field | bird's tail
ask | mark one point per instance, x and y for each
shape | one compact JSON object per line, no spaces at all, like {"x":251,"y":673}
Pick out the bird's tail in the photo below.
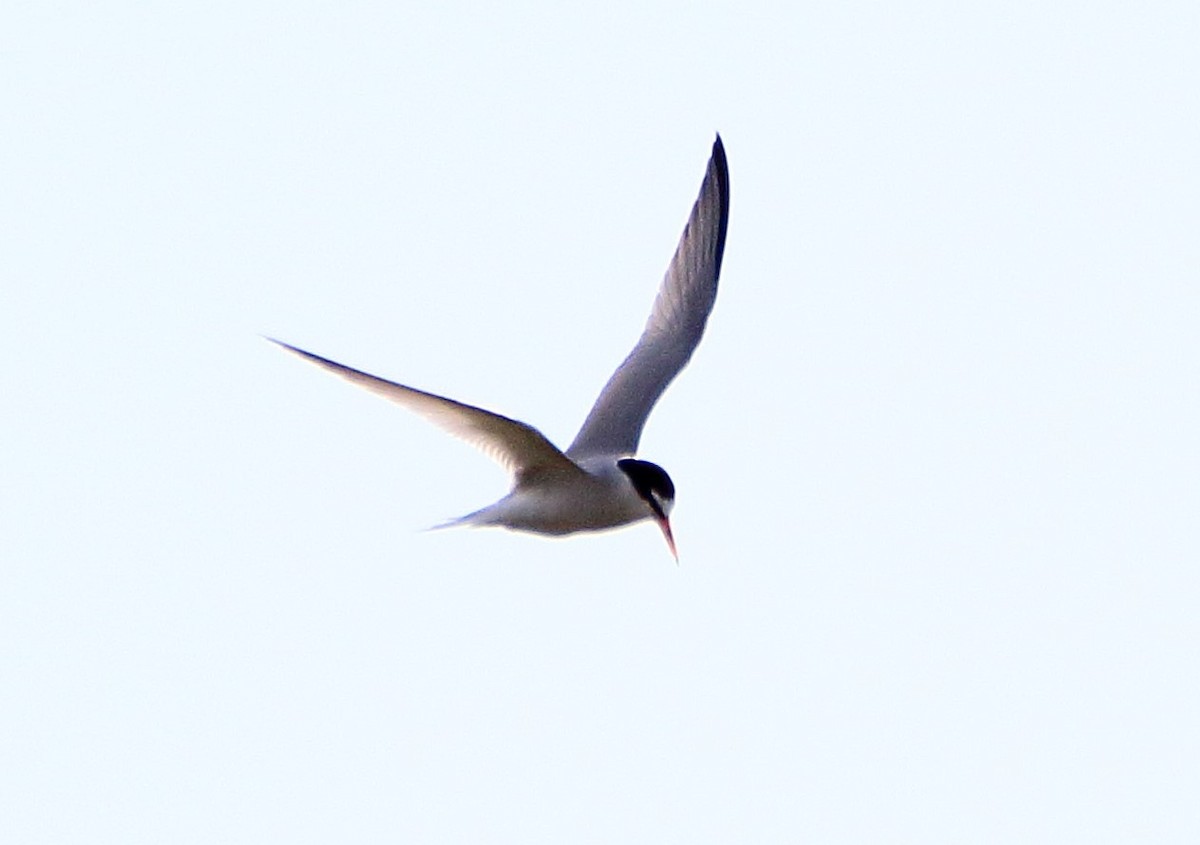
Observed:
{"x":475,"y":519}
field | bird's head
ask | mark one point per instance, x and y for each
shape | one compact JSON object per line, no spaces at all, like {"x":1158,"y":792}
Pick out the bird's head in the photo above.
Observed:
{"x":655,"y":487}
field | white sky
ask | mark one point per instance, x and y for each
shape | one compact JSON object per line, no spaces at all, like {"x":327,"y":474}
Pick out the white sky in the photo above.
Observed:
{"x":937,"y":457}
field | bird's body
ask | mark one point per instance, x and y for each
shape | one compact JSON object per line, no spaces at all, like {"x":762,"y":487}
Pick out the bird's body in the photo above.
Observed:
{"x":600,"y":497}
{"x":595,"y":484}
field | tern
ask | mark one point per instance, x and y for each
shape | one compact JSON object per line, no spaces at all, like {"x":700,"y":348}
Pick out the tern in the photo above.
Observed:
{"x":597,"y":483}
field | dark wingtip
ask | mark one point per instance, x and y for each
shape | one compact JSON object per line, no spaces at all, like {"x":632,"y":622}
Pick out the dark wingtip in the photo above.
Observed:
{"x":296,"y":350}
{"x":721,"y":165}
{"x":282,"y":344}
{"x":718,"y":155}
{"x":719,"y":169}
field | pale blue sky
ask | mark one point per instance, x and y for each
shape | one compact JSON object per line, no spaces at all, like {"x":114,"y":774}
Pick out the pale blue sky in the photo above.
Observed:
{"x":937,"y":456}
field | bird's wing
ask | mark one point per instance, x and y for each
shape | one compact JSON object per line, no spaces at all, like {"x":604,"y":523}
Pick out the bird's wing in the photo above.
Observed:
{"x":519,"y":448}
{"x":676,"y":324}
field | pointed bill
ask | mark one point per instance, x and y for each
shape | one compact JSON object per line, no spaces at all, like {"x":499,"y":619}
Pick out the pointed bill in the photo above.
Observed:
{"x":665,"y":524}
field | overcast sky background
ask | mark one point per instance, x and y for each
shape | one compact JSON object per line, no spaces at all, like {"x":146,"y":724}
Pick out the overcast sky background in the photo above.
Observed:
{"x":937,"y":456}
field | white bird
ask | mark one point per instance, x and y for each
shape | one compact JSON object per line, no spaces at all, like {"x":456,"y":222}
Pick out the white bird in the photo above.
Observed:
{"x":596,"y":484}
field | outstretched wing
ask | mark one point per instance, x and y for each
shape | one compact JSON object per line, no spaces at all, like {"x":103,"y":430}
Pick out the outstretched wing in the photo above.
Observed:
{"x":519,"y":448}
{"x":676,"y":324}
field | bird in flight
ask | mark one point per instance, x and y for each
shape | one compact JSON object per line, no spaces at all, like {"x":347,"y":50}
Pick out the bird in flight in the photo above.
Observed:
{"x":596,"y":484}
